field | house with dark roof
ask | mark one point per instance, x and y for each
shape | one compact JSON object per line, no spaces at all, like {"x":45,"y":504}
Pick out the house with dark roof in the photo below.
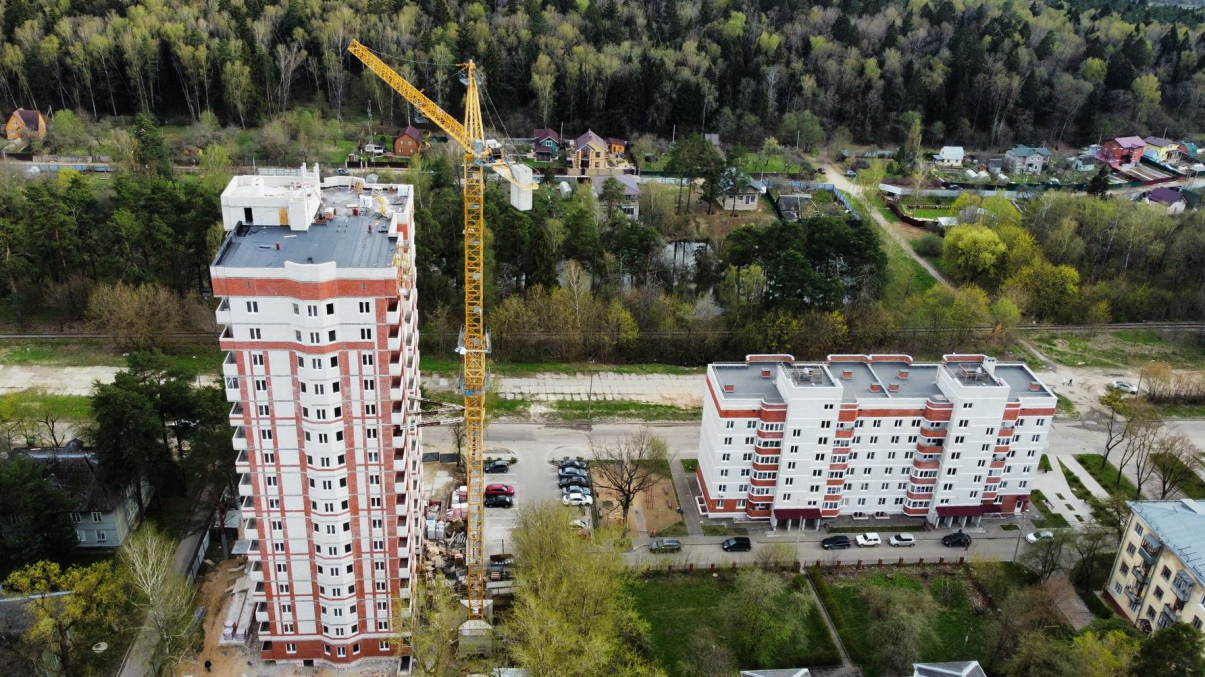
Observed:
{"x":1022,"y":159}
{"x":25,"y":124}
{"x":1123,"y":150}
{"x":1161,"y":149}
{"x":617,"y":146}
{"x":104,"y":514}
{"x":547,"y":144}
{"x":408,"y":142}
{"x":630,"y":205}
{"x":589,"y":154}
{"x":1171,"y":200}
{"x":1158,"y":574}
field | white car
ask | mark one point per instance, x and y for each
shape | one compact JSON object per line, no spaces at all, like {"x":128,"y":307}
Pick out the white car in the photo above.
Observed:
{"x":902,"y":541}
{"x":1124,"y":387}
{"x":577,"y":499}
{"x":1040,"y":535}
{"x":868,"y":540}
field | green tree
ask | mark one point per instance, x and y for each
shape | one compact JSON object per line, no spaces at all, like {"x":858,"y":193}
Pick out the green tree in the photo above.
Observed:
{"x":1146,"y":96}
{"x":766,"y":621}
{"x":1106,"y":654}
{"x":1174,"y":651}
{"x":41,"y":526}
{"x":1047,"y":290}
{"x":1098,"y":185}
{"x":66,"y":626}
{"x":612,"y":195}
{"x":1040,"y":654}
{"x":152,"y":154}
{"x":128,"y":437}
{"x":972,"y":253}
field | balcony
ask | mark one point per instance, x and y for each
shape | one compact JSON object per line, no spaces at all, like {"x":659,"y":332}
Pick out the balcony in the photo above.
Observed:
{"x":395,"y":364}
{"x":843,"y":434}
{"x":403,"y":547}
{"x":251,"y":529}
{"x":1173,"y":611}
{"x":1150,"y":550}
{"x":933,"y":433}
{"x":393,"y":313}
{"x":1134,"y":593}
{"x":242,"y":464}
{"x":261,"y":612}
{"x":239,"y":440}
{"x":925,"y":465}
{"x":233,"y":394}
{"x":1182,"y":585}
{"x":395,"y":389}
{"x":922,"y":480}
{"x":401,"y":508}
{"x":222,"y":314}
{"x":398,"y":414}
{"x":230,"y":365}
{"x":256,"y":571}
{"x":1140,"y":575}
{"x":395,"y":339}
{"x":245,"y":487}
{"x":923,"y":448}
{"x":236,"y":412}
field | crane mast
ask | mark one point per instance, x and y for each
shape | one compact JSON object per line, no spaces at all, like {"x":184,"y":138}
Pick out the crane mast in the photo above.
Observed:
{"x":474,"y":345}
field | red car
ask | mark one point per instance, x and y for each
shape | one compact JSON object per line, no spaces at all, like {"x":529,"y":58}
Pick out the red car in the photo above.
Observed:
{"x":499,"y":490}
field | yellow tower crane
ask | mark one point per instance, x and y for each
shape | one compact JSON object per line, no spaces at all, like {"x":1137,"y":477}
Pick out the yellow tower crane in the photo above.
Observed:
{"x":475,"y":343}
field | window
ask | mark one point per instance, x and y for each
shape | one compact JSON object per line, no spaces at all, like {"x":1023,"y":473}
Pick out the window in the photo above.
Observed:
{"x":370,"y":384}
{"x":967,"y":405}
{"x":727,"y":441}
{"x":315,"y":337}
{"x":263,"y":409}
{"x":748,"y":456}
{"x":826,"y":424}
{"x":283,"y":588}
{"x":1158,"y":592}
{"x":955,"y":455}
{"x":750,"y":424}
{"x":722,"y":488}
{"x":366,"y":360}
{"x":290,"y":648}
{"x":963,"y":423}
{"x":365,"y":306}
{"x":878,"y":423}
{"x":828,"y":406}
{"x":719,"y":505}
{"x":750,"y":440}
{"x":296,"y":309}
{"x":729,"y":424}
{"x":1196,"y":622}
{"x":330,"y":309}
{"x":1166,"y":573}
{"x":822,"y":441}
{"x":102,"y":536}
{"x":261,"y":384}
{"x":724,"y":472}
{"x":820,"y":457}
{"x":270,"y":480}
{"x":253,"y":306}
{"x":817,"y":473}
{"x":1138,"y":529}
{"x":265,"y":433}
{"x":1125,"y":568}
{"x":365,"y":334}
{"x":330,"y":335}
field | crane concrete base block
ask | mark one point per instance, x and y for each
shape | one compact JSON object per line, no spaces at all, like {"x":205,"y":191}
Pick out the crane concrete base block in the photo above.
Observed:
{"x":477,"y":636}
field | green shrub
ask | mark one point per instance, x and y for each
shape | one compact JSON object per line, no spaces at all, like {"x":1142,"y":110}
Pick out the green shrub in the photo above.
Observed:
{"x":928,"y":245}
{"x":1044,"y":464}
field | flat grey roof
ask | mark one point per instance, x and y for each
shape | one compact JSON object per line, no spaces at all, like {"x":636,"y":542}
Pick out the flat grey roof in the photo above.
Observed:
{"x":747,"y":381}
{"x":921,"y":381}
{"x":1018,"y":377}
{"x":347,"y":240}
{"x":858,"y":385}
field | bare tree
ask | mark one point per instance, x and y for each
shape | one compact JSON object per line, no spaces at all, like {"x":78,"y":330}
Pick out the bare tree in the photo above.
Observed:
{"x":1117,"y":428}
{"x":1088,"y":545}
{"x":1115,"y":515}
{"x":1049,"y":555}
{"x":1174,"y":461}
{"x":629,"y":466}
{"x":1144,"y":430}
{"x":165,"y":595}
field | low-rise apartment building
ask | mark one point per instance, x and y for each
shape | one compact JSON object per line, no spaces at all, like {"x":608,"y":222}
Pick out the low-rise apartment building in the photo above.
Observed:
{"x":870,"y":436}
{"x":1158,"y":576}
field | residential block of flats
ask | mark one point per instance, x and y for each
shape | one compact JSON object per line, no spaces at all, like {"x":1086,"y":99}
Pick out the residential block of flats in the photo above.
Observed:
{"x":1159,"y":570}
{"x":870,"y":436}
{"x":316,"y":282}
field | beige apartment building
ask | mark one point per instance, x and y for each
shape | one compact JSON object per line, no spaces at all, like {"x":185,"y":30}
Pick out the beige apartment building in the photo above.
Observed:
{"x":1158,"y":577}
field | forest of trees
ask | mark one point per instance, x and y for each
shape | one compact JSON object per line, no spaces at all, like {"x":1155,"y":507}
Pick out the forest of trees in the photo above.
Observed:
{"x":986,"y":72}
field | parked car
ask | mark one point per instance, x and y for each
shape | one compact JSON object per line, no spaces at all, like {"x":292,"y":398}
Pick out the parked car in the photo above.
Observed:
{"x":571,"y":463}
{"x":851,"y":173}
{"x":737,"y":544}
{"x":577,"y":498}
{"x":1039,"y":535}
{"x":1124,"y":387}
{"x":499,"y":502}
{"x":374,"y":149}
{"x":956,"y":540}
{"x":869,"y":540}
{"x":820,"y":170}
{"x":902,"y":541}
{"x":580,"y":524}
{"x":665,"y":545}
{"x":574,"y":482}
{"x":341,"y":171}
{"x":836,"y":543}
{"x":499,"y":490}
{"x":570,"y":470}
{"x":584,"y":490}
{"x":494,"y":467}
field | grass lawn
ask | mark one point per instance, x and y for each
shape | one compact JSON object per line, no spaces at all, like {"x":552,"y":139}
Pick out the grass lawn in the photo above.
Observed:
{"x":1050,"y":519}
{"x":1106,"y":474}
{"x":690,"y":465}
{"x":1192,"y":487}
{"x":931,"y":213}
{"x":202,"y":357}
{"x":499,"y":406}
{"x":1181,"y":410}
{"x":1122,"y":348}
{"x":439,"y":365}
{"x":721,"y":530}
{"x":575,"y":410}
{"x":958,"y":632}
{"x":1066,"y":407}
{"x":678,"y":605}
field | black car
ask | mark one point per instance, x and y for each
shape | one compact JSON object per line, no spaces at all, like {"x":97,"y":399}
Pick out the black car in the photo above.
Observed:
{"x":499,"y":502}
{"x":956,"y":540}
{"x":569,"y":470}
{"x":497,"y":467}
{"x":836,"y":543}
{"x":571,"y":463}
{"x":665,"y":545}
{"x":737,"y":544}
{"x":574,"y":481}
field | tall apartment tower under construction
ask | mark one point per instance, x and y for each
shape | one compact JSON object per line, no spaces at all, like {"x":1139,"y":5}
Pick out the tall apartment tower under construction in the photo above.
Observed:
{"x":316,"y":285}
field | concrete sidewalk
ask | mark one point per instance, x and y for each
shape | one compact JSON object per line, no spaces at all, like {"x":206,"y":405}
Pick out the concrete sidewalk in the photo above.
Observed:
{"x":1059,"y":496}
{"x":1089,"y":481}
